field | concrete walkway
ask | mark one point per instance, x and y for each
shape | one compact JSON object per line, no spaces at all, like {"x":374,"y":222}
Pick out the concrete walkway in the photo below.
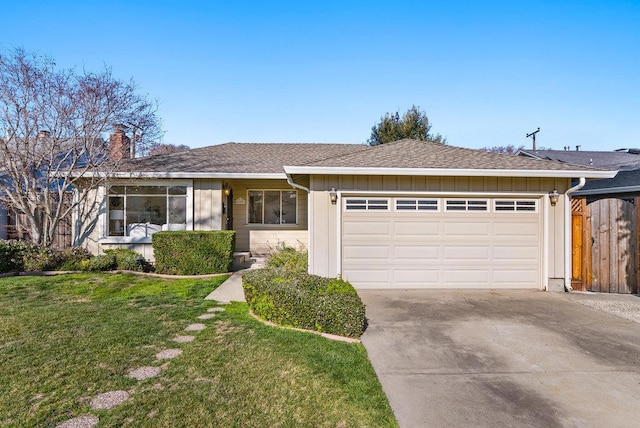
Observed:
{"x":231,"y":290}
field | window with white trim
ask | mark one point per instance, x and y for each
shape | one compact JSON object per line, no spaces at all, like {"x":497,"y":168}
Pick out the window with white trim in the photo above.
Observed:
{"x":514,"y":205}
{"x":272,"y":206}
{"x":140,"y":211}
{"x":466,"y":205}
{"x":365,"y":204}
{"x":403,"y":204}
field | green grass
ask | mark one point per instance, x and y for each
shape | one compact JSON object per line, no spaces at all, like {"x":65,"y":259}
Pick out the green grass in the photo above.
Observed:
{"x":67,"y":338}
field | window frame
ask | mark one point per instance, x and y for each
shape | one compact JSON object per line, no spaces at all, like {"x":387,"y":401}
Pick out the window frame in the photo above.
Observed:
{"x":515,"y":209}
{"x":368,"y":207}
{"x":487,"y":206}
{"x":416,"y":207}
{"x":280,"y":190}
{"x":104,"y":218}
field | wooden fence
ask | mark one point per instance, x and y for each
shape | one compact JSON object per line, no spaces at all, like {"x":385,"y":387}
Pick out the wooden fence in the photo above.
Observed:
{"x":605,"y":245}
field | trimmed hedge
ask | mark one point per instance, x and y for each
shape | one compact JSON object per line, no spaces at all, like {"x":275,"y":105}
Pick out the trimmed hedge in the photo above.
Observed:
{"x":305,"y":301}
{"x":194,"y":253}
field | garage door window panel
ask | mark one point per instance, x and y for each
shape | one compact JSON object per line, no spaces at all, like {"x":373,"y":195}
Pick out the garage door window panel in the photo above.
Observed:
{"x":511,"y":206}
{"x":362,"y":204}
{"x":408,"y":205}
{"x":462,"y":205}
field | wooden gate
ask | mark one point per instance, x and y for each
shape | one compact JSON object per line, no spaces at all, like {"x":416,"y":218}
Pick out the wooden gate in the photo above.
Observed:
{"x":580,"y":245}
{"x":614,"y":253}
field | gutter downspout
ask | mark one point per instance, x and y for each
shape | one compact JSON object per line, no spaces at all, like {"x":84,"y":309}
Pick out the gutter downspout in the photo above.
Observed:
{"x":296,"y":185}
{"x":567,"y":235}
{"x":309,"y":212}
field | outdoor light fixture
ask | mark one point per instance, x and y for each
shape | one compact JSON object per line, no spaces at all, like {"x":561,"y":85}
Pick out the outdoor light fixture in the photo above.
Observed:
{"x":553,"y":197}
{"x":333,"y":195}
{"x":226,"y":190}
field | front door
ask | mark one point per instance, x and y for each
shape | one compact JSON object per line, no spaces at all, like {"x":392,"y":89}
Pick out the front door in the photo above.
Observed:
{"x":229,"y":210}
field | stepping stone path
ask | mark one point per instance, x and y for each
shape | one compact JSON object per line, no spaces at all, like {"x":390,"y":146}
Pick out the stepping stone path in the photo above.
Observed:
{"x":183,"y":339}
{"x":109,"y":399}
{"x":142,"y":373}
{"x":84,"y":421}
{"x":195,"y":327}
{"x":168,"y":353}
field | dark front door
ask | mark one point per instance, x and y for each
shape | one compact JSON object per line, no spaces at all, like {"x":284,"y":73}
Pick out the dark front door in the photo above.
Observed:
{"x":229,"y":210}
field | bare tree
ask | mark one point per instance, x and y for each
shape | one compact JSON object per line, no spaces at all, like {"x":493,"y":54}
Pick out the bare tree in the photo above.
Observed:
{"x":166,"y":149}
{"x":509,"y":149}
{"x":53,"y":124}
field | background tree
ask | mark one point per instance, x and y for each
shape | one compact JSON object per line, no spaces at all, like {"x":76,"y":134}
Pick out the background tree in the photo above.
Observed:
{"x":509,"y":149}
{"x":53,"y":124}
{"x":413,"y":124}
{"x":166,"y":149}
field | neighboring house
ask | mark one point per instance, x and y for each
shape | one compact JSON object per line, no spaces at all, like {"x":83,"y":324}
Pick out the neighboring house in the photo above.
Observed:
{"x":408,"y":214}
{"x":605,"y":223}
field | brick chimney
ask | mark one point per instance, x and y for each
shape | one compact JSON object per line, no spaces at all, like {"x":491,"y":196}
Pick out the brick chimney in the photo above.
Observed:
{"x":119,"y":145}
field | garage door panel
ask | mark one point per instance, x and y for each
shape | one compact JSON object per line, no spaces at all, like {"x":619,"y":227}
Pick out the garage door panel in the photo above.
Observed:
{"x":416,"y":278}
{"x":368,"y":278}
{"x":466,"y":229}
{"x":523,"y":228}
{"x":442,"y":249}
{"x":378,"y":229}
{"x":518,"y":254}
{"x":366,"y":252}
{"x":467,"y":253}
{"x":466,"y":276}
{"x":416,"y":253}
{"x":515,"y":278}
{"x":416,"y":229}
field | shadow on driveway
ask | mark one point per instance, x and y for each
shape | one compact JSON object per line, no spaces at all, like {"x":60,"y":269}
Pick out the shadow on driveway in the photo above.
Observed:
{"x":502,"y":358}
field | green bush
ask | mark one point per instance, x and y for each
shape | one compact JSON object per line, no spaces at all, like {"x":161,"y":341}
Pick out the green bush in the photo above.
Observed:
{"x":41,"y":259}
{"x":24,"y":256}
{"x":73,"y":257}
{"x":128,"y":259}
{"x":305,"y":301}
{"x":12,"y":256}
{"x":100,"y":263}
{"x":194,"y":253}
{"x":289,"y":259}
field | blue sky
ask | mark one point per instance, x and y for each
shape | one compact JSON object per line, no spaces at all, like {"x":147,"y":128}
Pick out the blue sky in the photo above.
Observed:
{"x":486,"y":72}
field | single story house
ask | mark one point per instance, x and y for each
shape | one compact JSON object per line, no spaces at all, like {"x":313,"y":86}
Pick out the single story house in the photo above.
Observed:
{"x":407,"y":214}
{"x":605,"y":220}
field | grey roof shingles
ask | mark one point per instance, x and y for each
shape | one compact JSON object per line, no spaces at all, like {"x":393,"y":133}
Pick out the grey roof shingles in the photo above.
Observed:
{"x":244,"y":158}
{"x":421,"y":154}
{"x":600,"y":159}
{"x":260,"y":158}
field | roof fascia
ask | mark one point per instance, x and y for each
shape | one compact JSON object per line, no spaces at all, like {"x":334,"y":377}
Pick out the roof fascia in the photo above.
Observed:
{"x":133,"y":175}
{"x":608,"y":190}
{"x":447,"y":172}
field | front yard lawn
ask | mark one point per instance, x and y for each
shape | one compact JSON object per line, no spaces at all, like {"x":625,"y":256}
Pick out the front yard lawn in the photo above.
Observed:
{"x":67,"y":338}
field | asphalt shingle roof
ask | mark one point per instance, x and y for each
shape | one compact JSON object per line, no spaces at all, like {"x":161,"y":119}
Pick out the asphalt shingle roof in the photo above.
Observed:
{"x":258,"y":158}
{"x":246,"y":158}
{"x":421,"y":154}
{"x":607,"y":160}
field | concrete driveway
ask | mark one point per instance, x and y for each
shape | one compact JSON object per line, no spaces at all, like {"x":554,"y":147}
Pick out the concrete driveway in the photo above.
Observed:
{"x":502,"y":358}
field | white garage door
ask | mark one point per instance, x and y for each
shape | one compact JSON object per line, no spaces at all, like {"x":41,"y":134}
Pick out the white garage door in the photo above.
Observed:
{"x":441,"y":242}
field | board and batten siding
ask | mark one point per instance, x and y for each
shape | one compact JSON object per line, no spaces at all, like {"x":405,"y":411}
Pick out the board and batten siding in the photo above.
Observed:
{"x":258,"y":238}
{"x":324,"y":228}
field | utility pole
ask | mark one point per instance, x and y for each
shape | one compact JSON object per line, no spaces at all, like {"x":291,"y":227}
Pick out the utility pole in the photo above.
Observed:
{"x":533,"y":135}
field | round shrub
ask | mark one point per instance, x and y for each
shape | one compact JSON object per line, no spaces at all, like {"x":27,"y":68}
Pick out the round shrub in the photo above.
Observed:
{"x":306,"y":301}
